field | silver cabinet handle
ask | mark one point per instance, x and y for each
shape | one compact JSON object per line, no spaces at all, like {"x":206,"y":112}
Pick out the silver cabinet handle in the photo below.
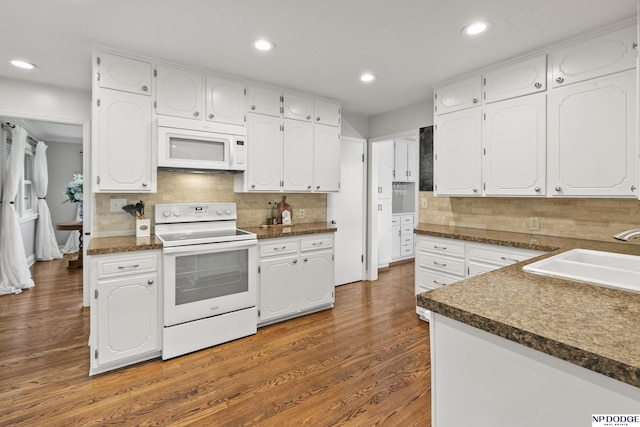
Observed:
{"x":558,"y":188}
{"x":316,"y":244}
{"x":439,"y":283}
{"x":633,"y":188}
{"x":144,"y":184}
{"x":475,"y":100}
{"x":538,"y":85}
{"x":122,"y":267}
{"x":253,"y":107}
{"x":442,"y":248}
{"x":439,"y":264}
{"x":560,"y":79}
{"x":475,"y":190}
{"x":308,"y":117}
{"x":504,"y":258}
{"x":295,"y":261}
{"x":318,"y":119}
{"x":308,"y":187}
{"x":306,"y":259}
{"x":333,"y":221}
{"x":211,"y":116}
{"x":150,"y":282}
{"x":253,"y":186}
{"x":144,"y":88}
{"x":537,"y":189}
{"x":318,"y":187}
{"x":196,"y":114}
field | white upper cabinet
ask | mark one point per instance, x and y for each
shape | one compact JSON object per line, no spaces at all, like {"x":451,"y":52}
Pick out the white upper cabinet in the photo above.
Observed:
{"x":326,"y":169}
{"x":457,"y":96}
{"x":458,"y":144}
{"x":592,"y":138}
{"x":327,"y":113}
{"x":606,"y":54}
{"x":225,"y":101}
{"x":519,"y":79}
{"x":264,"y":101}
{"x":298,"y":156}
{"x":126,"y":74}
{"x":515,"y":147}
{"x":124,"y":154}
{"x":179,"y":92}
{"x":264,"y":170}
{"x":385,"y":169}
{"x":297,"y":107}
{"x":405,"y":159}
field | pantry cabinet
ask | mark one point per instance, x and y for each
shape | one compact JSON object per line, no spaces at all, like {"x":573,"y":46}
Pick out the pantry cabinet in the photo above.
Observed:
{"x":124,"y":154}
{"x":514,"y":153}
{"x":296,"y":277}
{"x":179,"y":92}
{"x":592,"y":138}
{"x":522,"y":78}
{"x":457,"y":153}
{"x":458,"y":96}
{"x":125,"y":309}
{"x":125,"y":74}
{"x":605,"y":54}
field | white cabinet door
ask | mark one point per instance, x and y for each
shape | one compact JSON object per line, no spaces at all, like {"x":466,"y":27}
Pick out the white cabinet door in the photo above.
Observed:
{"x":458,"y":96}
{"x":606,"y":54}
{"x":180,"y":93}
{"x":298,"y":156}
{"x":278,"y":287}
{"x":592,"y":138}
{"x":264,"y":167}
{"x":120,"y":73}
{"x":327,"y":113}
{"x":264,"y":101}
{"x":297,"y":107}
{"x":385,"y":169}
{"x":523,"y":78}
{"x":396,"y":241}
{"x":125,"y":159}
{"x":400,"y":161}
{"x":514,"y":161}
{"x":458,"y":144}
{"x":384,"y":232}
{"x":326,"y":158}
{"x":412,"y":161}
{"x":316,"y":279}
{"x":128,"y":322}
{"x":225,"y":101}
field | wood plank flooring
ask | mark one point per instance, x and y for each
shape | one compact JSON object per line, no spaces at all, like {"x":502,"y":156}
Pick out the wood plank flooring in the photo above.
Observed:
{"x":363,"y":363}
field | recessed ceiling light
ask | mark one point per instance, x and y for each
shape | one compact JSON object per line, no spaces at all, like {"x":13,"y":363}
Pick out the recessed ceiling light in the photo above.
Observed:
{"x":263,"y":44}
{"x":23,"y":64}
{"x":368,"y":77}
{"x":476,"y":28}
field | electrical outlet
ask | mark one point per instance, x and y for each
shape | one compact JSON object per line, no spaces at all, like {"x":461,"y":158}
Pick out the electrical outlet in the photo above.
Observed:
{"x":534,"y":223}
{"x":301,"y":213}
{"x":117,"y":205}
{"x":423,"y":203}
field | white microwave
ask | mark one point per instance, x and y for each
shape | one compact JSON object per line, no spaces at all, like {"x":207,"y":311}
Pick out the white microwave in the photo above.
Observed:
{"x":201,"y":149}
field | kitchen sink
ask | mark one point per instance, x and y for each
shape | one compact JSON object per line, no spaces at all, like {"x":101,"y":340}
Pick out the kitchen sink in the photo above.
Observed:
{"x":603,"y":268}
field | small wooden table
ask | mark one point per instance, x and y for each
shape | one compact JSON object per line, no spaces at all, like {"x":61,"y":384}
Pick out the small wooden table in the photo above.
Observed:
{"x":73,"y":226}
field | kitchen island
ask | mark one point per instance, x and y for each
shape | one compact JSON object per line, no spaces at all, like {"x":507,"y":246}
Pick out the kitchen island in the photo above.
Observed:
{"x":516,"y":348}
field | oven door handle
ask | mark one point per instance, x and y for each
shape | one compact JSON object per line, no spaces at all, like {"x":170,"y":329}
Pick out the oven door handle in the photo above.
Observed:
{"x":210,"y":247}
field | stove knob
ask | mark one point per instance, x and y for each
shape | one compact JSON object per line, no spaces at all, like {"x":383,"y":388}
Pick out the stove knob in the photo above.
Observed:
{"x":219,"y":212}
{"x":177,"y":213}
{"x":228,"y":211}
{"x":166,"y":213}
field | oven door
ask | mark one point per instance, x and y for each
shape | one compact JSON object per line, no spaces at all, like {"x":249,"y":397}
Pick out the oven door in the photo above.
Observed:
{"x":207,"y":280}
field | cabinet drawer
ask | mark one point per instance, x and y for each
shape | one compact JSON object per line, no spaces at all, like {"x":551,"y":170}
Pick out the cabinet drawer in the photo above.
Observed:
{"x":500,"y":255}
{"x":441,"y":246}
{"x":315,"y":243}
{"x":395,"y":220}
{"x":429,"y":280}
{"x":406,"y":250}
{"x":407,"y":220}
{"x":406,"y":229}
{"x":407,"y":240}
{"x":121,"y":265}
{"x":278,"y":247}
{"x":442,"y":263}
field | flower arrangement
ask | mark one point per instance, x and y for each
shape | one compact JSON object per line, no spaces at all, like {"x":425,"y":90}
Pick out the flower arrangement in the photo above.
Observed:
{"x":73,"y":191}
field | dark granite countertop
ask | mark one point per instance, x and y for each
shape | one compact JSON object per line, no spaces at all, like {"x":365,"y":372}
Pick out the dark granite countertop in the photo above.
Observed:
{"x":112,"y":245}
{"x":294,"y":230}
{"x":588,"y":325}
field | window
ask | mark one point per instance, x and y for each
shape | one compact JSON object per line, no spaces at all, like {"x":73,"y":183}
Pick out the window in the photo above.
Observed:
{"x":25,"y":201}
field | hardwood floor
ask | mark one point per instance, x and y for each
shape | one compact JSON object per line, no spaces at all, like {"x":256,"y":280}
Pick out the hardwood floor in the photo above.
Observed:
{"x":363,"y":363}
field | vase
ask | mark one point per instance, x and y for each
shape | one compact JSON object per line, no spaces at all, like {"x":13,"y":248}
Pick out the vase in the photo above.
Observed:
{"x":80,"y":211}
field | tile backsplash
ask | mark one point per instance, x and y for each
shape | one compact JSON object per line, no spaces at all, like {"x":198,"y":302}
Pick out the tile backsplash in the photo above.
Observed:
{"x":178,"y":187}
{"x":593,"y":219}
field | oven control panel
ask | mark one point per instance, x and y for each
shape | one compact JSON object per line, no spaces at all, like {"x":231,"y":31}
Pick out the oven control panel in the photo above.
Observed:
{"x":191,"y":212}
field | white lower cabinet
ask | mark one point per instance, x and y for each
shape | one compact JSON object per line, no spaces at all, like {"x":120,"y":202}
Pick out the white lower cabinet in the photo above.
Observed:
{"x":401,"y":237}
{"x":441,"y":261}
{"x":296,"y":277}
{"x":125,"y":309}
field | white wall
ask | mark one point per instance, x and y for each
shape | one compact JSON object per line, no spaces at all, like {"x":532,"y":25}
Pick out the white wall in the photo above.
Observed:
{"x":411,"y":117}
{"x":63,"y":160}
{"x":355,"y":125}
{"x":39,"y":101}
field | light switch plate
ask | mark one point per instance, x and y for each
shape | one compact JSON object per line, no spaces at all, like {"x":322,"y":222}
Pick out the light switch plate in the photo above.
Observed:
{"x":534,"y":224}
{"x":301,"y":213}
{"x":116,"y":205}
{"x":424,"y":203}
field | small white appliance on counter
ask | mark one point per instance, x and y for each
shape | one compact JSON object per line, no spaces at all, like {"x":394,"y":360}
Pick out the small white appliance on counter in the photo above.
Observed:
{"x":201,"y":146}
{"x":210,"y":276}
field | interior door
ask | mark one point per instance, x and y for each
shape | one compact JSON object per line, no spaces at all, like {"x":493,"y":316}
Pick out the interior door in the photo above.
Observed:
{"x":346,"y":209}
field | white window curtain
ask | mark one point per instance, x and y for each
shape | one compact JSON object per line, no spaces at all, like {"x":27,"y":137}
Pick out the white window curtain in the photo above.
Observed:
{"x":14,"y":270}
{"x":46,"y":243}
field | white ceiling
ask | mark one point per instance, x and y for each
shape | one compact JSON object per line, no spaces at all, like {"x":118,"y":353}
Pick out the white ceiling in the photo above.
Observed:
{"x":322,"y":45}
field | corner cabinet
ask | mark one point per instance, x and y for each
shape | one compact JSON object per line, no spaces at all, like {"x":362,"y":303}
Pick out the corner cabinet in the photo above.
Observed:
{"x":125,"y":309}
{"x":124,"y":158}
{"x":296,"y":277}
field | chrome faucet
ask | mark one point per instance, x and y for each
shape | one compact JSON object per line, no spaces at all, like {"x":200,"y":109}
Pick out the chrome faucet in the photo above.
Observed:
{"x":625,"y":236}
